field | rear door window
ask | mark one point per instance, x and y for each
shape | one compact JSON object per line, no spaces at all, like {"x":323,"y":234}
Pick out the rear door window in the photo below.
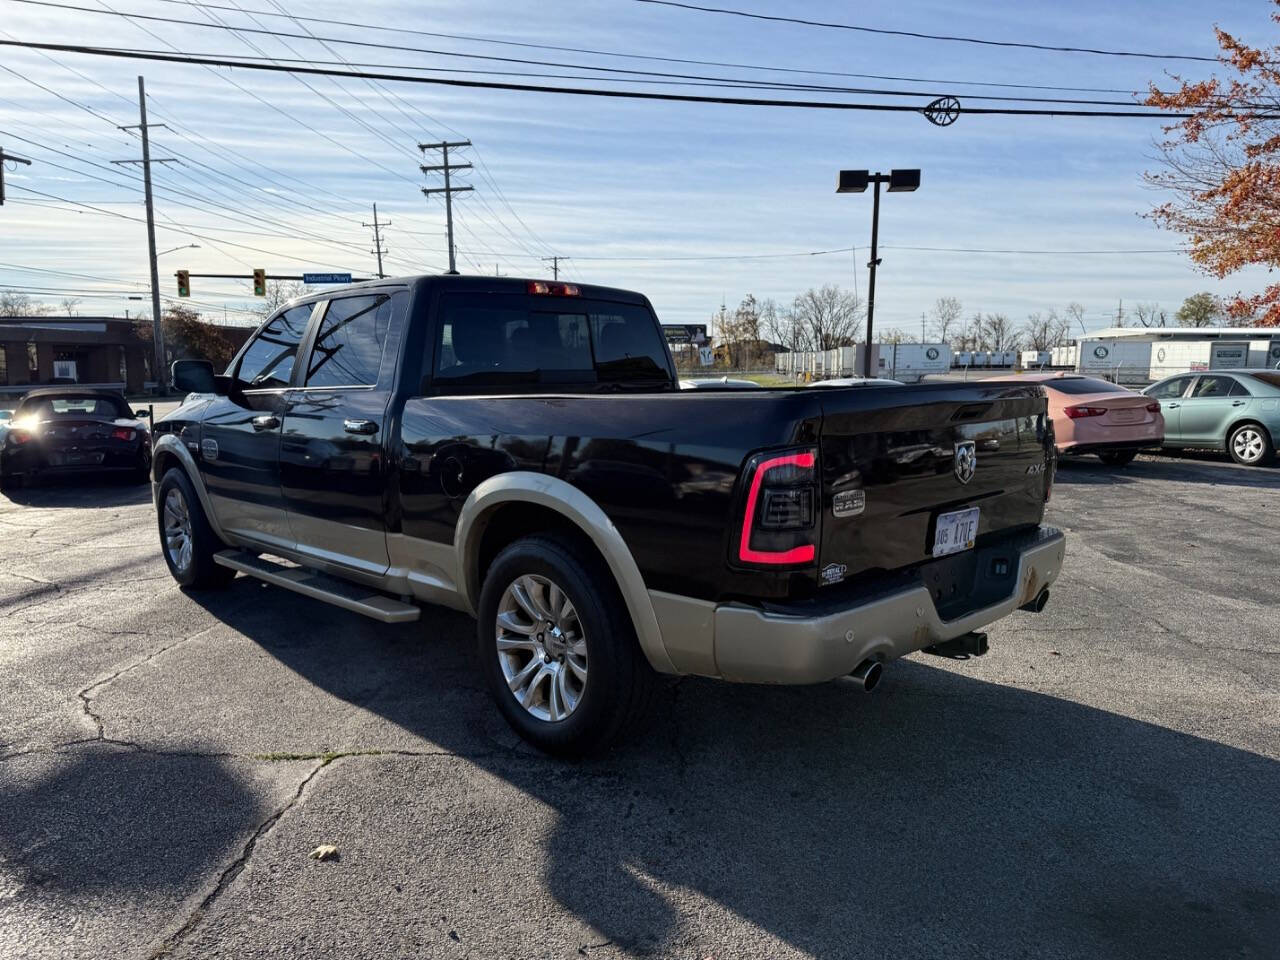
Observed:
{"x":1212,"y":388}
{"x":268,"y":361}
{"x":349,"y":342}
{"x":1170,"y":389}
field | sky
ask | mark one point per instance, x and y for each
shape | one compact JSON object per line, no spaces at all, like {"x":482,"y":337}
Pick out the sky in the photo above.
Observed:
{"x":692,"y":204}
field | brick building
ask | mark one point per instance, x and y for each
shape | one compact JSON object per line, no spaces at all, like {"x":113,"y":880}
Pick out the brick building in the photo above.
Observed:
{"x":93,"y":351}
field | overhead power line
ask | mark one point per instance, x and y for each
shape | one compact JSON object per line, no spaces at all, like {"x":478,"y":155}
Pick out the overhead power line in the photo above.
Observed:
{"x":916,"y":35}
{"x":633,"y":76}
{"x":157,"y":55}
{"x":653,"y":58}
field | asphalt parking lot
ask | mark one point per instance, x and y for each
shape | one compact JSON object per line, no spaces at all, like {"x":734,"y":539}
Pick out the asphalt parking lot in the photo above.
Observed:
{"x":1104,"y":783}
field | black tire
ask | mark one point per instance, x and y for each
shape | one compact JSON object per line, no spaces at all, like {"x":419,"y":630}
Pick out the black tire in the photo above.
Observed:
{"x":10,"y":481}
{"x":619,"y":684}
{"x":1117,"y":458}
{"x":1244,"y":453}
{"x":200,"y":570}
{"x":142,"y":472}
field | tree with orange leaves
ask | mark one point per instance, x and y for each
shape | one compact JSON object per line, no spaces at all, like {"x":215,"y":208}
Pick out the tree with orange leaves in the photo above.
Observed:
{"x":1222,"y":165}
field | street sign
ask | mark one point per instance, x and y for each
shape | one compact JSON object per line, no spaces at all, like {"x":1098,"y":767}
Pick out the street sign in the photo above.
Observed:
{"x":326,"y":278}
{"x":704,"y":356}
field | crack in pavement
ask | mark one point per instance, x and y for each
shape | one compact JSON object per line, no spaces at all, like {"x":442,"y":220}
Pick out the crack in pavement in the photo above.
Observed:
{"x":233,"y":870}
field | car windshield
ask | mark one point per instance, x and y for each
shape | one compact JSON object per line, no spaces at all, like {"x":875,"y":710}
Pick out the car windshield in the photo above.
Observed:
{"x":54,"y":408}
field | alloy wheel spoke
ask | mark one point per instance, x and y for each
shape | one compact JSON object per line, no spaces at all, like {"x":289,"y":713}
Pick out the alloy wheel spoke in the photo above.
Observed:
{"x":508,"y":620}
{"x":518,"y":681}
{"x":555,"y":694}
{"x":531,"y":691}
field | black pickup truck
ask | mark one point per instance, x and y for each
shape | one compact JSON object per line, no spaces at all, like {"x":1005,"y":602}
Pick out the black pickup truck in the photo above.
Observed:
{"x":520,"y":450}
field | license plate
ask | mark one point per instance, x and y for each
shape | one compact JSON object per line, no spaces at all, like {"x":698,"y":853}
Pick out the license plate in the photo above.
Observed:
{"x":955,"y":531}
{"x":1126,"y":416}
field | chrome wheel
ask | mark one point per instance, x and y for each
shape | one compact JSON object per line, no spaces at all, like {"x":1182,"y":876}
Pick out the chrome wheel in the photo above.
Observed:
{"x":1248,"y":445}
{"x":177,"y":530}
{"x":541,"y":648}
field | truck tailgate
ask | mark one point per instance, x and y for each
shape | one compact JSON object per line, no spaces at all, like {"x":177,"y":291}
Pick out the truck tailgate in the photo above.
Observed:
{"x":889,"y":469}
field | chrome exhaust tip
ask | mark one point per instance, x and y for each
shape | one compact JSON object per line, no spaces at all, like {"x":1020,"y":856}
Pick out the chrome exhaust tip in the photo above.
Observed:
{"x":867,"y":673}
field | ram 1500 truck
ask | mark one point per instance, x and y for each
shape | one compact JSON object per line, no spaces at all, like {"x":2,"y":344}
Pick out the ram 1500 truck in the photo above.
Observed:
{"x":519,"y":450}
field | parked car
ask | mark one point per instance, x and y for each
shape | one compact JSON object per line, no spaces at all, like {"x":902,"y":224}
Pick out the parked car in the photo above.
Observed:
{"x":1094,"y":416}
{"x":519,"y":450}
{"x":1233,"y":410}
{"x":74,"y":430}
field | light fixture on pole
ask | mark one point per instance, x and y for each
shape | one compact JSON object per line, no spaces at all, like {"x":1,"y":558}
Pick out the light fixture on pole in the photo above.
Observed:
{"x":856,"y":181}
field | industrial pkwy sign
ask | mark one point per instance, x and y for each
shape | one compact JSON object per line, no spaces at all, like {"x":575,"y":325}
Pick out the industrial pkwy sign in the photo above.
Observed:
{"x":326,"y":278}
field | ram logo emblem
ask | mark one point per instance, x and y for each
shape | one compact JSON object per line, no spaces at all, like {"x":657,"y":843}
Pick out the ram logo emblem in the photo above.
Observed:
{"x":966,"y":460}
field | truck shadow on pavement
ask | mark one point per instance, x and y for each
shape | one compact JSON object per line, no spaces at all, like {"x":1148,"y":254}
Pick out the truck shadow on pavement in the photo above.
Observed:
{"x":106,"y":821}
{"x":942,"y":815}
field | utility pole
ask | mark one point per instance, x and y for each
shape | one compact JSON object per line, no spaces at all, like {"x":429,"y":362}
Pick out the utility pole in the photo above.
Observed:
{"x":3,"y":157}
{"x":922,"y":327}
{"x":377,"y":238}
{"x":448,"y":189}
{"x":555,"y":266}
{"x":161,"y":374}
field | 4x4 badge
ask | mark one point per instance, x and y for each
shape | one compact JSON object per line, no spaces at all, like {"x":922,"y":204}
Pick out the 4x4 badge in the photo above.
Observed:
{"x":966,"y":464}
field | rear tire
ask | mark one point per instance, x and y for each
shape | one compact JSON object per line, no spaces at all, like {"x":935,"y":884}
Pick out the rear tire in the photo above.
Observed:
{"x":1117,"y":458}
{"x":186,"y":538}
{"x":564,"y":665}
{"x":1250,"y":444}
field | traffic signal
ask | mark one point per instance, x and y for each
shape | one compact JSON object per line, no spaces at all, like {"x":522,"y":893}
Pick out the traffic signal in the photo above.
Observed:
{"x":184,"y":283}
{"x":259,"y":283}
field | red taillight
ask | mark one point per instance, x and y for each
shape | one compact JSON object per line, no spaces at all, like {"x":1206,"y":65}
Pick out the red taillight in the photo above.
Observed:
{"x":122,"y":433}
{"x":19,"y":436}
{"x":1153,"y":406}
{"x":552,"y":289}
{"x":779,"y":515}
{"x":1077,"y":413}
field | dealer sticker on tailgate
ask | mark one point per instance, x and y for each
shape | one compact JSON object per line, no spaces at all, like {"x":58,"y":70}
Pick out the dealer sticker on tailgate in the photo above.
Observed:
{"x":955,"y":531}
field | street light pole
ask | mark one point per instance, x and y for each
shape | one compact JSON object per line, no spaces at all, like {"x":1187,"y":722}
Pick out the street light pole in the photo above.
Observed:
{"x":856,"y":181}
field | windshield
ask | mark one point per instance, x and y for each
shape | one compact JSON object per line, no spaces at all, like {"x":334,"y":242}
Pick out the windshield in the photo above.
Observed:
{"x":52,"y":408}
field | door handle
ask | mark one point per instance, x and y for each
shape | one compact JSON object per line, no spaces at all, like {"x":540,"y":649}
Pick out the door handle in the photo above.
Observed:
{"x":1237,"y":403}
{"x":360,"y":426}
{"x":267,"y":421}
{"x":1172,"y":406}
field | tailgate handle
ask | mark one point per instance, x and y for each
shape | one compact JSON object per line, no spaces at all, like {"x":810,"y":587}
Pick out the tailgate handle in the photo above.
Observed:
{"x":971,"y":411}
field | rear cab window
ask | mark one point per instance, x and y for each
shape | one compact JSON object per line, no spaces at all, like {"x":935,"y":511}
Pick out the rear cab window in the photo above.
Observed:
{"x":514,"y":340}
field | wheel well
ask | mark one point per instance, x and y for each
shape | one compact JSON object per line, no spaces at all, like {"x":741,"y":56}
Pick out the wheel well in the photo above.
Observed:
{"x":509,"y":522}
{"x":161,"y":463}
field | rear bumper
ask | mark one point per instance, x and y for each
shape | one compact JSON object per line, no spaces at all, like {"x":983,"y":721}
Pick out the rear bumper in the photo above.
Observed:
{"x":812,"y":645}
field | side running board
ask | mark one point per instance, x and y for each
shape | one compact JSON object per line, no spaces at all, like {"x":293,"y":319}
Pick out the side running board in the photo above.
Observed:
{"x":320,"y":586}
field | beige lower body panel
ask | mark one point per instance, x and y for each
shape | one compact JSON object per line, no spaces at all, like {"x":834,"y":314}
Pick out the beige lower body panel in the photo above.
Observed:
{"x":749,"y":645}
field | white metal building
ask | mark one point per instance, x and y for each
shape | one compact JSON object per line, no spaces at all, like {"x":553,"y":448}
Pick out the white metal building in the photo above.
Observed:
{"x":1143,"y":354}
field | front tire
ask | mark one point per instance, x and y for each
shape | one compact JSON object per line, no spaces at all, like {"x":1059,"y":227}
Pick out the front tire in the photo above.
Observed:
{"x":186,"y":538}
{"x":558,"y":649}
{"x":1117,"y":458}
{"x":1250,"y":445}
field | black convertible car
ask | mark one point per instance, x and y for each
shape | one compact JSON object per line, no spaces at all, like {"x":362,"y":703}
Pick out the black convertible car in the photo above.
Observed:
{"x":70,"y":430}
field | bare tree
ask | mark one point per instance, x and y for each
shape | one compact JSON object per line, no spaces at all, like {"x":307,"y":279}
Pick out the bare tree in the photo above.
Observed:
{"x":896,"y":335}
{"x":1038,"y":332}
{"x":1075,"y":316}
{"x":829,"y":316}
{"x":1059,"y":328}
{"x":69,"y":304}
{"x":998,"y":332}
{"x":20,"y":305}
{"x":946,"y":318}
{"x":971,"y":338}
{"x":1148,"y":314}
{"x":280,"y":292}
